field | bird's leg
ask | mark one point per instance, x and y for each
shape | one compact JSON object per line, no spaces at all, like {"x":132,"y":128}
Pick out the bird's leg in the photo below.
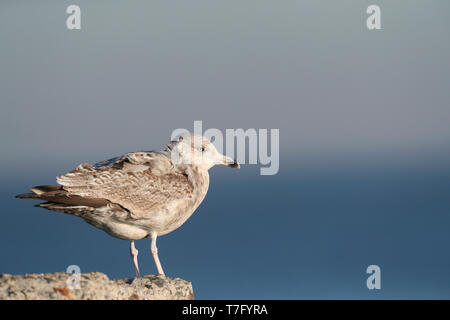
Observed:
{"x":154,"y":251}
{"x":134,"y":255}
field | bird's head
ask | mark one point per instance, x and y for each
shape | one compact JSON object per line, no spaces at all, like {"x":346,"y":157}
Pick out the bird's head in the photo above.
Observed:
{"x":193,"y":149}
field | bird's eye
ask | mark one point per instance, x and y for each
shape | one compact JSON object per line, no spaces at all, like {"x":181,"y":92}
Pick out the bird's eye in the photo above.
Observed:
{"x":202,"y":149}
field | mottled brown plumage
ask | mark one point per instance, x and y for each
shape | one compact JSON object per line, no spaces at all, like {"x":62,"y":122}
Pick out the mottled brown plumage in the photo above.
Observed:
{"x":140,"y":194}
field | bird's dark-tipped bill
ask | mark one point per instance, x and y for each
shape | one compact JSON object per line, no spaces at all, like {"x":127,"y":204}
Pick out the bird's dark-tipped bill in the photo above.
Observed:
{"x":234,"y":164}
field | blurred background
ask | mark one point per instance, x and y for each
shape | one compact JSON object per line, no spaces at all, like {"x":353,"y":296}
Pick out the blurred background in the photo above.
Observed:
{"x":364,"y":119}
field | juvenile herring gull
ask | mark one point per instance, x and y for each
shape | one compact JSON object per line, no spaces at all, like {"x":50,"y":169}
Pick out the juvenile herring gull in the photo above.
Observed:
{"x":140,"y":194}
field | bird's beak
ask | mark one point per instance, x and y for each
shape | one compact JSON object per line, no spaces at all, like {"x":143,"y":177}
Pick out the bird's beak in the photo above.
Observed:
{"x":227,"y":161}
{"x":171,"y":144}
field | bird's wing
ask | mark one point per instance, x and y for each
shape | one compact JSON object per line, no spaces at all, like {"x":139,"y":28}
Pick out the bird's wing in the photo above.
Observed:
{"x":141,"y":182}
{"x":157,"y":162}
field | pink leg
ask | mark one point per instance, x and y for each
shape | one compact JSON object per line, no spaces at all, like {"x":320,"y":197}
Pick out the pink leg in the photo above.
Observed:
{"x":134,"y":255}
{"x":154,"y":251}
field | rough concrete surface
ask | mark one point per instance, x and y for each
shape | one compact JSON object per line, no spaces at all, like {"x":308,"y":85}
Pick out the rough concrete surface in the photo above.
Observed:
{"x":92,"y":286}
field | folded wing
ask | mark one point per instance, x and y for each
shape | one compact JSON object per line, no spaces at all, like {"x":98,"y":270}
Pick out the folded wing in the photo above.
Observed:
{"x":140,"y":182}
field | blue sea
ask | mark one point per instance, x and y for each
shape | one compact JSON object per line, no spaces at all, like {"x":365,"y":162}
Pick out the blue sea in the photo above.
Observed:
{"x":300,"y":234}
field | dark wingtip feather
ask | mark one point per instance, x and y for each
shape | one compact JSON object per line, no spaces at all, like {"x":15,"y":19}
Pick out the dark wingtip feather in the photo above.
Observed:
{"x":45,"y":189}
{"x":26,"y":196}
{"x":38,"y":191}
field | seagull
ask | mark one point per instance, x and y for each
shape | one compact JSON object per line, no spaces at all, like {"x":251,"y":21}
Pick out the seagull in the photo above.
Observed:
{"x":138,"y":195}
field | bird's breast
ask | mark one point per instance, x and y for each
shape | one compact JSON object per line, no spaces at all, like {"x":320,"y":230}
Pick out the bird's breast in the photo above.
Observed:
{"x":179,"y":211}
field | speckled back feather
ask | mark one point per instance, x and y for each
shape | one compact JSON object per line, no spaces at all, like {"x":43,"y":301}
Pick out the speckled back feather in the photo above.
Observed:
{"x":140,"y":182}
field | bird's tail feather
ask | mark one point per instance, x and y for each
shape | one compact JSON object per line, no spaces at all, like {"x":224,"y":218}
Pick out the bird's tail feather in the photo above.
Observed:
{"x":57,"y":195}
{"x":38,"y":191}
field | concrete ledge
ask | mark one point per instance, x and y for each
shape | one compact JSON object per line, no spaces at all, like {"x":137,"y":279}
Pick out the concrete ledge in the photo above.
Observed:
{"x":93,"y":286}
